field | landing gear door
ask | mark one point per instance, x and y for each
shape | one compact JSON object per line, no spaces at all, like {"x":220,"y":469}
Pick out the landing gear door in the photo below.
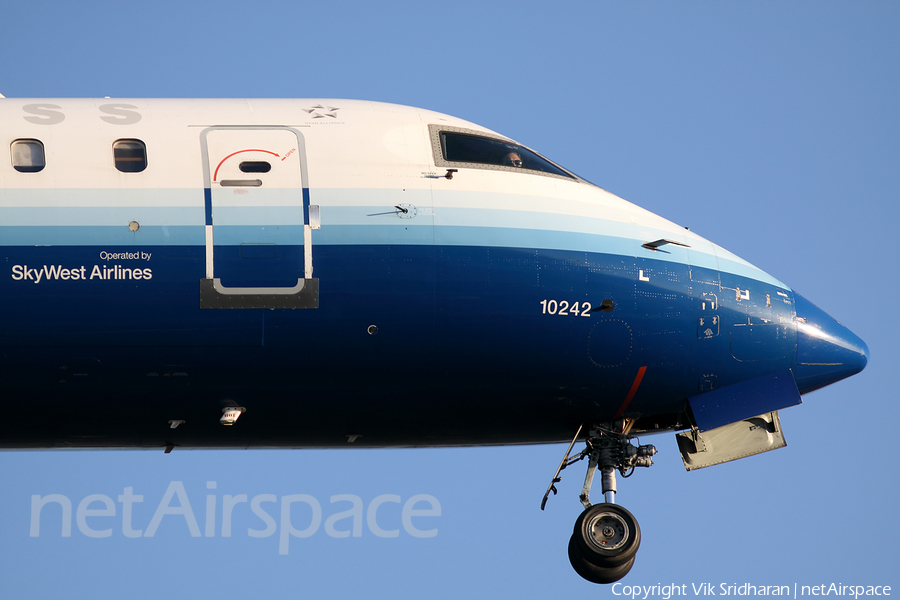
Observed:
{"x":258,"y":240}
{"x":753,"y":435}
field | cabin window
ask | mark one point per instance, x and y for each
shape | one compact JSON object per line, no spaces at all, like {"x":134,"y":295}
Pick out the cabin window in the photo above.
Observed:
{"x":459,"y":147}
{"x":255,"y":166}
{"x":130,"y":155}
{"x":27,"y":156}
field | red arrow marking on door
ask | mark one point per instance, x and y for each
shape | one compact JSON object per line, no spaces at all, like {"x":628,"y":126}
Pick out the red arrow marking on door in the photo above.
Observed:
{"x":216,"y":174}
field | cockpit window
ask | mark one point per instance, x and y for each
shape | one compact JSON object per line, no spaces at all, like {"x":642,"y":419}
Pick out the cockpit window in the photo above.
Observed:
{"x":459,"y":147}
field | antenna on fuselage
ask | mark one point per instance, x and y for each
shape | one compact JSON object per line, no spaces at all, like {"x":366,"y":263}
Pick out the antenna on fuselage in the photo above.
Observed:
{"x":656,"y":244}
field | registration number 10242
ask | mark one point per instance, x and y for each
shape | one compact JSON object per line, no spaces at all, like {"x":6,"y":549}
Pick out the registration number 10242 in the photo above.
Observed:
{"x":563,"y":307}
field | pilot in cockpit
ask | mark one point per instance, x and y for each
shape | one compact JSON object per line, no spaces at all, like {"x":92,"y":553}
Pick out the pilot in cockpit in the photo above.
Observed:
{"x":512,"y":159}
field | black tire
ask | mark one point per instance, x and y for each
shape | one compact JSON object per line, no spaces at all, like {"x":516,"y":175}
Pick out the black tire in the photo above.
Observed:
{"x":607,"y":535}
{"x":595,"y":573}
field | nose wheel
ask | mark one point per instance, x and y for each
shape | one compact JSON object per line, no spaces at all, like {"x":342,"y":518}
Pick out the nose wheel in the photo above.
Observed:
{"x":593,"y":572}
{"x":606,"y":536}
{"x":604,"y":543}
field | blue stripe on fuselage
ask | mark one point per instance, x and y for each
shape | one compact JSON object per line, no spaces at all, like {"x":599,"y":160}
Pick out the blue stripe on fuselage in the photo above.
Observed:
{"x":89,"y":217}
{"x":399,"y":233}
{"x":207,"y":205}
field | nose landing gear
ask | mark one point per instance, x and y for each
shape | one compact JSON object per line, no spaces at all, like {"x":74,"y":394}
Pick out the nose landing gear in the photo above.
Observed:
{"x":606,"y":537}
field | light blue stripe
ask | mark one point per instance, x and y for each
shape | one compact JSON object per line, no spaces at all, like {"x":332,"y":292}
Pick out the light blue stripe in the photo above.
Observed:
{"x":356,"y":225}
{"x":358,"y":235}
{"x":398,"y":234}
{"x":64,"y":216}
{"x":538,"y":239}
{"x":164,"y":235}
{"x":257,"y":215}
{"x":235,"y":235}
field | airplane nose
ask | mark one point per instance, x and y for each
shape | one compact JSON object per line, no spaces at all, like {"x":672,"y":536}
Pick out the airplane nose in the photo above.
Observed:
{"x":826,"y":350}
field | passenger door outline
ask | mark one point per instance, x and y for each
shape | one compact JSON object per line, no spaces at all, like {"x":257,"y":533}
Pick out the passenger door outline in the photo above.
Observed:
{"x":213,"y":293}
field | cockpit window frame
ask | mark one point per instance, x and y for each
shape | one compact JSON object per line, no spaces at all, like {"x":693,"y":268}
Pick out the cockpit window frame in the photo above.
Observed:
{"x":435,"y":131}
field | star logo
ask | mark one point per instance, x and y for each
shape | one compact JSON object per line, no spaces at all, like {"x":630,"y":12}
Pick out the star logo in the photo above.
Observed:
{"x":320,"y":112}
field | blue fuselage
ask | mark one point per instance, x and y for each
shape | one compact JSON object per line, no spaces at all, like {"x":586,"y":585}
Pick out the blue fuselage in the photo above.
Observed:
{"x":410,"y":345}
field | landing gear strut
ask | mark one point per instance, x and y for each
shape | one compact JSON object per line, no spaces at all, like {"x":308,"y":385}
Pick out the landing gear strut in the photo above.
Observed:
{"x":606,"y":537}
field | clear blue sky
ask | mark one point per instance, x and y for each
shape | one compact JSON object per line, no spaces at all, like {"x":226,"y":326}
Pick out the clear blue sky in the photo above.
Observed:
{"x":771,"y":128}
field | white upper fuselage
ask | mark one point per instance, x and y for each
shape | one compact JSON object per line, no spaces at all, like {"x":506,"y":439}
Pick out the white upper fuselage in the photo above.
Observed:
{"x":362,"y":158}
